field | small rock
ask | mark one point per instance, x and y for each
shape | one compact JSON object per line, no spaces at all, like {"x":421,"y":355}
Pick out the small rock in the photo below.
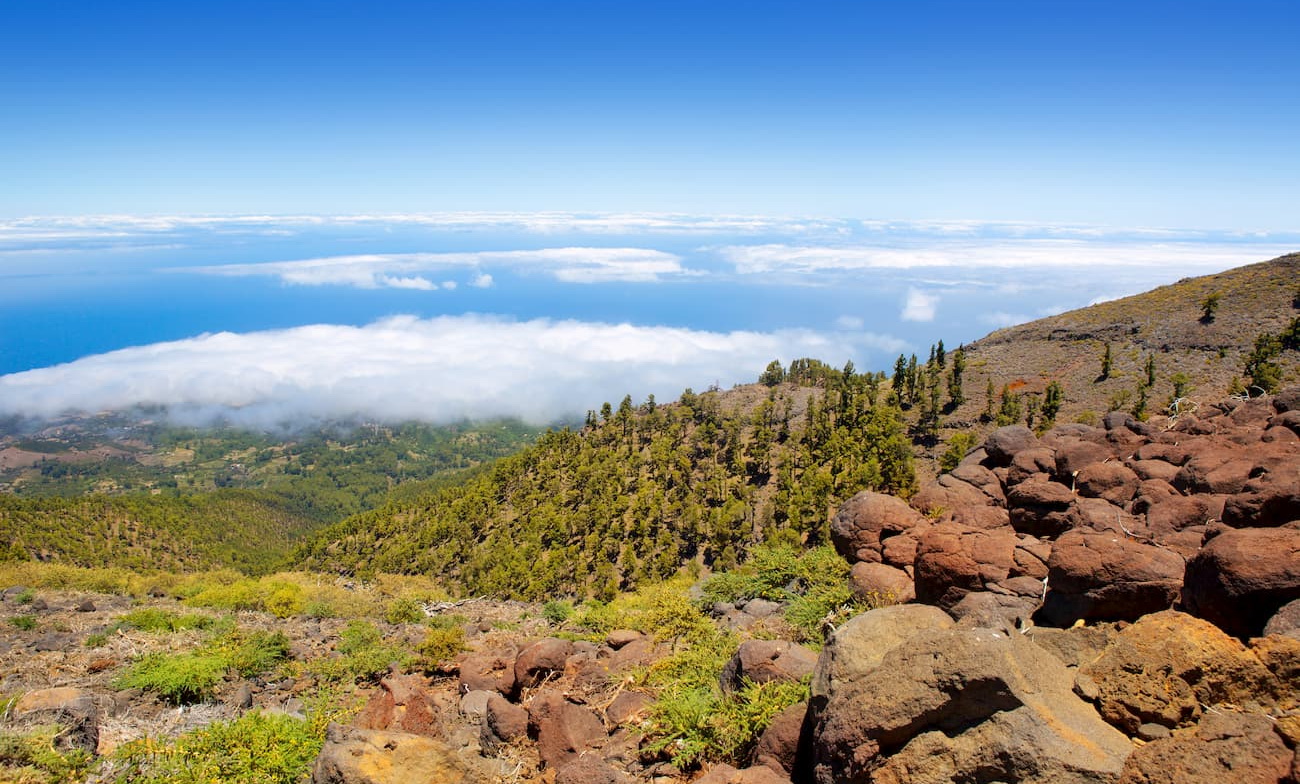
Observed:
{"x":620,"y":637}
{"x":85,"y":606}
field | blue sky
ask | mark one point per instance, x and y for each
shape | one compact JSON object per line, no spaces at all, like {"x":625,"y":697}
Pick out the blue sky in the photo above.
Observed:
{"x":1136,"y":114}
{"x":441,"y":210}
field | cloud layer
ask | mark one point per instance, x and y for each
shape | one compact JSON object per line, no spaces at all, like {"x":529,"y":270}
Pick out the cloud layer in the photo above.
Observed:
{"x":398,"y":270}
{"x":401,"y":368}
{"x":1003,"y":254}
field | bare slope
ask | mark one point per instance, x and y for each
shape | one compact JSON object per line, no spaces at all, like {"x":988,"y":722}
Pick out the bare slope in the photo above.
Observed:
{"x":1165,"y":323}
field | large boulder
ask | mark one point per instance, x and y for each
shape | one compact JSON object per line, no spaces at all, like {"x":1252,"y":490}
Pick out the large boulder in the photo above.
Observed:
{"x":404,"y":703}
{"x":778,"y":746}
{"x":1040,"y":507}
{"x":539,"y":660}
{"x":1166,"y":666}
{"x":864,"y":521}
{"x":356,"y":756}
{"x":861,"y":643}
{"x":1106,"y":577}
{"x":1242,"y":577}
{"x":564,"y":730}
{"x":71,"y":708}
{"x":1003,"y":443}
{"x":764,"y":661}
{"x":961,"y":705}
{"x":952,"y":560}
{"x":880,"y":583}
{"x":1112,"y":481}
{"x":489,"y":671}
{"x":1241,"y":748}
{"x":503,"y":723}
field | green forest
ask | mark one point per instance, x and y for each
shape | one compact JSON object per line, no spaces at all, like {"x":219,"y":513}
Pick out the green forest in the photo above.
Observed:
{"x":642,"y":489}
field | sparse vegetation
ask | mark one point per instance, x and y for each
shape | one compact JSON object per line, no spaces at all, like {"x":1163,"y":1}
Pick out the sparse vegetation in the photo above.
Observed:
{"x":1210,"y":307}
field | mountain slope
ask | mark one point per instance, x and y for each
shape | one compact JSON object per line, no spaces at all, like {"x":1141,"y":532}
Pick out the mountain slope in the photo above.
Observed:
{"x":1166,"y":324}
{"x":638,"y":493}
{"x":241,"y":529}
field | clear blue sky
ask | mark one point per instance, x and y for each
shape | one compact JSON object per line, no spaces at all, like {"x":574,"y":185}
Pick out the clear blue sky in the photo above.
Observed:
{"x":1121,"y":113}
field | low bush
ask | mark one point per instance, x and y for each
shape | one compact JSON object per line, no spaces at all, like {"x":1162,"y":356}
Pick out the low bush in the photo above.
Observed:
{"x":154,"y":619}
{"x":440,"y":646}
{"x":24,"y":622}
{"x":363,"y":655}
{"x":257,"y":748}
{"x":179,"y":678}
{"x":33,"y":757}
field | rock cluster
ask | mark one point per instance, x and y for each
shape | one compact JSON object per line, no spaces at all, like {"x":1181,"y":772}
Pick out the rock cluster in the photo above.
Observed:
{"x":1121,"y":604}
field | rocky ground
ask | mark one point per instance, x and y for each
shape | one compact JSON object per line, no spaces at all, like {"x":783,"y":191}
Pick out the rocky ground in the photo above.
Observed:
{"x":1115,"y":604}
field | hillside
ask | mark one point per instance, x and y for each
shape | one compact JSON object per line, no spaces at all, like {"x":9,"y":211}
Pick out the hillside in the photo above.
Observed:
{"x":641,"y":490}
{"x":115,"y":490}
{"x":242,"y":529}
{"x":1166,"y":324}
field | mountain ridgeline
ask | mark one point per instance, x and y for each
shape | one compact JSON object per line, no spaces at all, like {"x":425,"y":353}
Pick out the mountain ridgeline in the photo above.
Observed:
{"x":641,"y":490}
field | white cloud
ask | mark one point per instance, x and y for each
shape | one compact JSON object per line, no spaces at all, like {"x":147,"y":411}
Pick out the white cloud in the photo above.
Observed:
{"x":482,"y":281}
{"x":413,"y":282}
{"x":919,"y":306}
{"x":849,"y":322}
{"x":996,"y":253}
{"x":385,"y":270}
{"x":402,"y":367}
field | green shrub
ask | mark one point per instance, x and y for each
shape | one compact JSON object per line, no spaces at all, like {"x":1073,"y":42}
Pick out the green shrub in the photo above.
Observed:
{"x":441,"y":646}
{"x":405,"y":610}
{"x":363,"y":655}
{"x":154,"y":619}
{"x":255,"y":652}
{"x":958,"y":446}
{"x":284,"y":601}
{"x":26,"y":597}
{"x":557,"y":612}
{"x":34,"y":756}
{"x":24,"y":622}
{"x":177,"y":677}
{"x":693,"y":721}
{"x":257,"y":748}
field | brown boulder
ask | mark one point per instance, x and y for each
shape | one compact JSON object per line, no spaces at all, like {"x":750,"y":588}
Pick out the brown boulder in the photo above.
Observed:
{"x":1040,"y":507}
{"x":1274,"y":503}
{"x":880,"y":583}
{"x":1003,"y":443}
{"x":866,"y":520}
{"x":72,"y":709}
{"x":1072,"y":456}
{"x":1215,"y":471}
{"x":1153,"y":469}
{"x":356,"y":756}
{"x":503,"y":723}
{"x":979,"y":477}
{"x":961,"y":705}
{"x":1164,"y":667}
{"x":859,"y":645}
{"x":1106,"y":577}
{"x":488,"y":670}
{"x":590,"y":769}
{"x":778,"y":746}
{"x":765,"y":661}
{"x":563,"y":729}
{"x":539,"y":660}
{"x":1242,"y":577}
{"x":1029,"y":463}
{"x":1241,"y":748}
{"x":1112,"y":481}
{"x":952,"y":560}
